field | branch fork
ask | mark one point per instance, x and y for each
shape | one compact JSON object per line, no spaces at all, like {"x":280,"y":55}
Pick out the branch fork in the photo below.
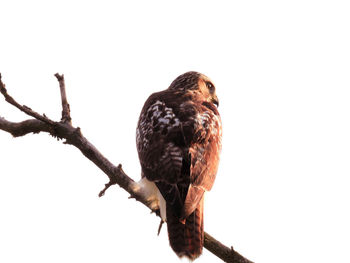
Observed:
{"x":63,"y":129}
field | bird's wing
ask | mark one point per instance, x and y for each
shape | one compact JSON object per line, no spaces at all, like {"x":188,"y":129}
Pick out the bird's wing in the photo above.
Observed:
{"x":204,"y":152}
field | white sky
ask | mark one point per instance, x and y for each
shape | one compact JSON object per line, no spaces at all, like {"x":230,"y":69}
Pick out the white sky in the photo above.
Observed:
{"x":282,"y":74}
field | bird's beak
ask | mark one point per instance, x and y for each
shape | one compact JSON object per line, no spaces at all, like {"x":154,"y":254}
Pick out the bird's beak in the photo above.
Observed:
{"x":215,"y":100}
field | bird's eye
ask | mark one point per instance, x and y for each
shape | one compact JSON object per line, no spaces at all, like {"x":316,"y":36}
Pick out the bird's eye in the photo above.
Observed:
{"x":210,"y":87}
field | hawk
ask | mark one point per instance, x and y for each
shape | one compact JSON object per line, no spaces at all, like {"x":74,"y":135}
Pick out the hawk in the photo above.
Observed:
{"x":178,"y":140}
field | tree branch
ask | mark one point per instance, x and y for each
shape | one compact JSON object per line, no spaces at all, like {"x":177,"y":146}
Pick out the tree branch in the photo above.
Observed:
{"x":23,"y":108}
{"x":64,"y":130}
{"x":223,"y":252}
{"x":65,"y":106}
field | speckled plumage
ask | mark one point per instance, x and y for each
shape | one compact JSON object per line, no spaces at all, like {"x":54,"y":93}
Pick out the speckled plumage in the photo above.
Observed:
{"x":178,"y":140}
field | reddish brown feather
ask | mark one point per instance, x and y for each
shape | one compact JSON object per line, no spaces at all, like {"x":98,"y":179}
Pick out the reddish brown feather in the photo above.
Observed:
{"x":186,"y":239}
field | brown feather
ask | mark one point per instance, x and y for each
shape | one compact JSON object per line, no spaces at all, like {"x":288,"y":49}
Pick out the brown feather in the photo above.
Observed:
{"x":193,"y":198}
{"x":178,"y":141}
{"x":186,"y":238}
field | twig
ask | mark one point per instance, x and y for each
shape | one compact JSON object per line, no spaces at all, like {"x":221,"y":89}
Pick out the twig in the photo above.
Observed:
{"x":111,"y":182}
{"x":23,"y":108}
{"x":65,"y":106}
{"x":116,"y":175}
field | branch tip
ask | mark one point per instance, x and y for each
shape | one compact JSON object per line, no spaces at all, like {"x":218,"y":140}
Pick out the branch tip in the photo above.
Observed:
{"x":59,"y":77}
{"x":102,"y":193}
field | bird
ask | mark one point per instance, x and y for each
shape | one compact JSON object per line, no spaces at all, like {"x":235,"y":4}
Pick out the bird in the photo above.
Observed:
{"x":178,"y":140}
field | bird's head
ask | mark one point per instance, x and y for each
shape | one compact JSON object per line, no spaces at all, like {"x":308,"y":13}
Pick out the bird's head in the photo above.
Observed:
{"x":197,"y":83}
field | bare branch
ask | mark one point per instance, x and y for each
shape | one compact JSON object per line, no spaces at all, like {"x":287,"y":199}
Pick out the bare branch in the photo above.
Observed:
{"x":18,"y":129}
{"x":65,"y":106}
{"x":116,"y":175}
{"x":23,"y":108}
{"x":223,"y":252}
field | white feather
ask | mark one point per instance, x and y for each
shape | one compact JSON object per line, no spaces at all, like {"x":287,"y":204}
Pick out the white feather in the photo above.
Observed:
{"x":151,"y":193}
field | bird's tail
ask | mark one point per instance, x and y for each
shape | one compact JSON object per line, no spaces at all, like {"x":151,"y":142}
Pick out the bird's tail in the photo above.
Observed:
{"x":186,"y":236}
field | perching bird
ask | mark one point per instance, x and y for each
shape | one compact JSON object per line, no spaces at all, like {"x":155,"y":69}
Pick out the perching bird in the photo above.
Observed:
{"x":178,"y":140}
